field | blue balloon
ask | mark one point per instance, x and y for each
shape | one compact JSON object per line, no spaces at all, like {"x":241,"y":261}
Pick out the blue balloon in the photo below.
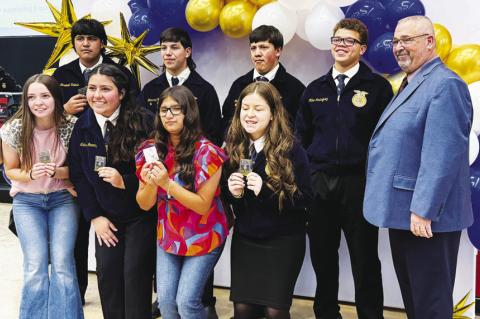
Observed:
{"x":474,"y":230}
{"x":380,"y":55}
{"x":385,"y":2}
{"x":136,"y":5}
{"x":373,"y":14}
{"x":141,"y":20}
{"x":399,"y":9}
{"x":169,"y":13}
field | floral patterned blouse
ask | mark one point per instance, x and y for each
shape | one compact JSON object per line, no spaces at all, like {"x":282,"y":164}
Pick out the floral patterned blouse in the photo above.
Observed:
{"x":180,"y":230}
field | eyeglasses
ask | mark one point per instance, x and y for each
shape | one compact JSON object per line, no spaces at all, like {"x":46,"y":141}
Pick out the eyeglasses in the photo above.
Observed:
{"x":174,"y":109}
{"x":408,"y":40}
{"x":349,"y":42}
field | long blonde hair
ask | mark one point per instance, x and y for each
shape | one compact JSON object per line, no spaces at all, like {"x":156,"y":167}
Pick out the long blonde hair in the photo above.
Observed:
{"x":279,"y":141}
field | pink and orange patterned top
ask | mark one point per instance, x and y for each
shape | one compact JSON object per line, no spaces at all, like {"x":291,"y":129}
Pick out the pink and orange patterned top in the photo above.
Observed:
{"x":180,"y":230}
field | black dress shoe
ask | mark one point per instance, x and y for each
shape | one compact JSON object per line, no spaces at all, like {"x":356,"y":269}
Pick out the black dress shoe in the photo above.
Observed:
{"x":211,"y":312}
{"x":155,"y":310}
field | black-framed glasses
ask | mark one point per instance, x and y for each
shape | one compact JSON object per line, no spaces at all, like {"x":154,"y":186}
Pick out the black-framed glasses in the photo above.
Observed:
{"x":174,"y":109}
{"x":349,"y":42}
{"x":407,"y":40}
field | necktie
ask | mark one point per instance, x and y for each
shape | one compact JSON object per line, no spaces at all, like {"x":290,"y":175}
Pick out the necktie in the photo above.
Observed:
{"x":261,"y":78}
{"x":108,"y":130}
{"x":403,"y":85}
{"x":341,"y":83}
{"x":86,"y":74}
{"x":175,"y":81}
{"x":253,"y":153}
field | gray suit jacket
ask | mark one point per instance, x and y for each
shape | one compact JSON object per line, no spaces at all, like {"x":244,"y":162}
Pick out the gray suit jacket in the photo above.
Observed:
{"x":418,"y":154}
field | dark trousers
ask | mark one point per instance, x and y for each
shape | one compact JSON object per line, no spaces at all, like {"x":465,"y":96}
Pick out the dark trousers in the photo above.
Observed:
{"x":426,"y":272}
{"x":81,"y":255}
{"x":337,"y":206}
{"x":125,"y":271}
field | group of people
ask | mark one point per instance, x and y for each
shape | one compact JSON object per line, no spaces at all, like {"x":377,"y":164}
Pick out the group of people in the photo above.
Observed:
{"x":168,"y":165}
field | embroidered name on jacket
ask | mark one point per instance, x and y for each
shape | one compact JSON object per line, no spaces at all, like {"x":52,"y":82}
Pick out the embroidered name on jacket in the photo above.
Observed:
{"x":318,"y":99}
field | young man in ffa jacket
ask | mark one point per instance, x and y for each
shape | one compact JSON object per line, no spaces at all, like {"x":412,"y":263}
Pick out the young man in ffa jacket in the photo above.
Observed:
{"x":179,"y":67}
{"x":89,"y":40}
{"x":266,"y":44}
{"x":336,"y":117}
{"x":176,"y":51}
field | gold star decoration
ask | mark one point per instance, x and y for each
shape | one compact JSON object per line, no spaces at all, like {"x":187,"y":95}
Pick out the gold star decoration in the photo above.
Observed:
{"x":460,"y":308}
{"x":131,"y":51}
{"x":60,"y":29}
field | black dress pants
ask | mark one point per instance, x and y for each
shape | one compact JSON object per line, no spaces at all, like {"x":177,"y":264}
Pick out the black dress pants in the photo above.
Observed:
{"x":125,"y":271}
{"x":337,"y":206}
{"x":81,"y":255}
{"x":425,"y":269}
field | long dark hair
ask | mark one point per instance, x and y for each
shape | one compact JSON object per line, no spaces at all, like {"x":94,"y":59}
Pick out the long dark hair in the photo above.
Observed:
{"x":27,"y":151}
{"x":279,"y":141}
{"x":189,"y":135}
{"x":133,"y":123}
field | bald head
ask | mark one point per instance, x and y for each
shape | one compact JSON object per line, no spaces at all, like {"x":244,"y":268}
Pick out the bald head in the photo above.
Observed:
{"x":415,"y":43}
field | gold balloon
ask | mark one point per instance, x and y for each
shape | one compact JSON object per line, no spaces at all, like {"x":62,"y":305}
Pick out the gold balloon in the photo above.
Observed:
{"x":465,"y":61}
{"x":202,"y":15}
{"x":236,"y":18}
{"x":444,"y":41}
{"x":395,"y":80}
{"x":260,"y":2}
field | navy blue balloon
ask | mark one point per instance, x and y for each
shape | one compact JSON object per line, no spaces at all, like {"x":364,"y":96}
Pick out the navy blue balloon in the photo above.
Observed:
{"x":399,"y":9}
{"x":372,"y":13}
{"x":474,"y":230}
{"x":380,"y":54}
{"x":169,"y":13}
{"x":386,"y":2}
{"x":136,"y":5}
{"x":141,"y":20}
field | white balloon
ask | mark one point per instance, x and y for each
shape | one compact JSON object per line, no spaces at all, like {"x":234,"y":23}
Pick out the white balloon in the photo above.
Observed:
{"x":341,"y":3}
{"x":298,"y":5}
{"x":474,"y":89}
{"x":320,"y":23}
{"x":274,"y":14}
{"x":68,"y":57}
{"x":106,"y":10}
{"x":302,"y":15}
{"x":474,"y":147}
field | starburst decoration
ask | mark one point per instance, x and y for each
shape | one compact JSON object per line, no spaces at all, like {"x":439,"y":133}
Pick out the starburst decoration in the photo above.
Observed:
{"x":130,"y":51}
{"x":461,"y":307}
{"x":60,"y":29}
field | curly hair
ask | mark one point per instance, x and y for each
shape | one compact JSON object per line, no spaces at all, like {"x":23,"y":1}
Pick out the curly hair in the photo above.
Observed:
{"x":279,"y":141}
{"x":190,"y":134}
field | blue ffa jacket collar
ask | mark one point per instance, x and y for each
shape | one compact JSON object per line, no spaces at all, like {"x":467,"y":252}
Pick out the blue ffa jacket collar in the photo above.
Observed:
{"x":364,"y":73}
{"x":87,"y":120}
{"x":194,"y":78}
{"x":280,"y":76}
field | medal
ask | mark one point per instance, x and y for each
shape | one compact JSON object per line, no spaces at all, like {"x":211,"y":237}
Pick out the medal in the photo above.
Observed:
{"x":267,"y":170}
{"x":360,"y":98}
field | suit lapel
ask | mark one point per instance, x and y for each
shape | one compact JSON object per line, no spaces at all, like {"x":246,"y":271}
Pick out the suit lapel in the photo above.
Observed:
{"x":399,"y":99}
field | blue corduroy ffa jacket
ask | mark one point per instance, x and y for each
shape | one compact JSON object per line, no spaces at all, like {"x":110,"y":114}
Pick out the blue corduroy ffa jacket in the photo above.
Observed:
{"x":96,"y":197}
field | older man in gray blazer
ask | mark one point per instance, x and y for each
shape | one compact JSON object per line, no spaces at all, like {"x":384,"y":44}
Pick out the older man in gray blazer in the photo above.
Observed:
{"x":418,"y":173}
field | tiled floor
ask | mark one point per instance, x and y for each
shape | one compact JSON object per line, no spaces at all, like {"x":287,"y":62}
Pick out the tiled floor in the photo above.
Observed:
{"x":11,"y":281}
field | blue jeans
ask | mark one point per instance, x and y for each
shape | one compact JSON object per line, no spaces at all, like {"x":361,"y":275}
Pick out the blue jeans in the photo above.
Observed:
{"x":47,"y":227}
{"x":181,"y":281}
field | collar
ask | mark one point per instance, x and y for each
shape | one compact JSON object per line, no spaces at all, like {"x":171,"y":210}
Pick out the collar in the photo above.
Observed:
{"x":350,"y":73}
{"x":258,"y":144}
{"x":269,"y":75}
{"x":413,"y":74}
{"x":83,"y":67}
{"x":182,"y":76}
{"x":101,"y":120}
